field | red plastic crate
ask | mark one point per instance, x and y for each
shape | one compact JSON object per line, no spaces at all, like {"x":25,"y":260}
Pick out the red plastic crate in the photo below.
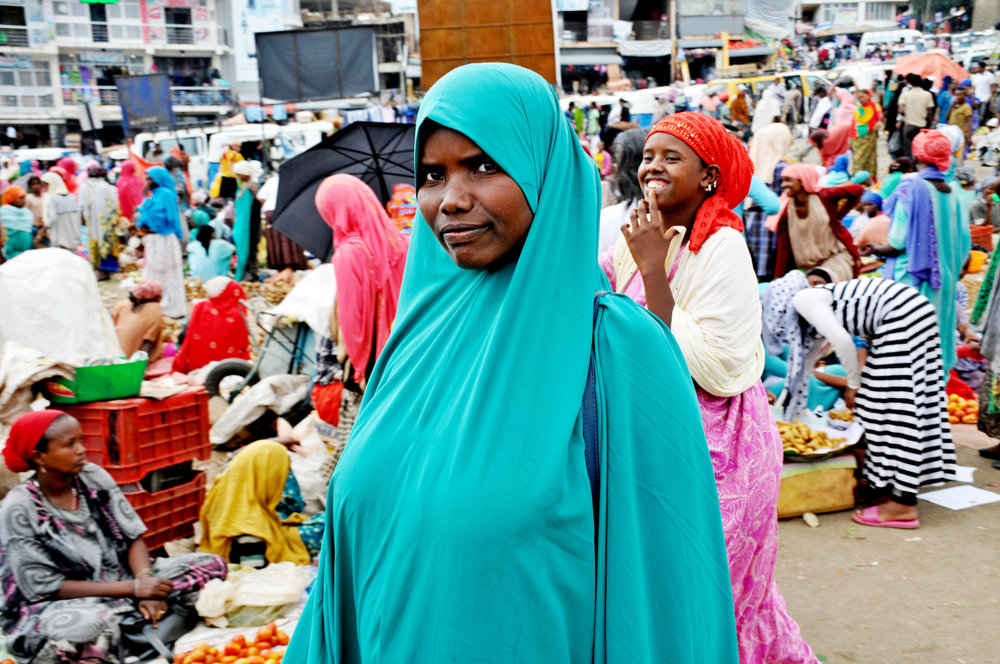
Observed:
{"x":130,"y":438}
{"x":169,"y":514}
{"x":983,"y":236}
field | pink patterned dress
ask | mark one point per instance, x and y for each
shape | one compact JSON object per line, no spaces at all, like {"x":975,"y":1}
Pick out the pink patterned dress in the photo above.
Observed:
{"x":747,"y":455}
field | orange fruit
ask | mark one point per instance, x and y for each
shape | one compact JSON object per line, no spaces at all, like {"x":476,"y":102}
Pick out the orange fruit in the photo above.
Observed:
{"x":281,"y":638}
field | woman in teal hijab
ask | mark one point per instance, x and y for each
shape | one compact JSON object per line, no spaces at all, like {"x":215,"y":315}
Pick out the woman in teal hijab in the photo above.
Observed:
{"x":460,"y":521}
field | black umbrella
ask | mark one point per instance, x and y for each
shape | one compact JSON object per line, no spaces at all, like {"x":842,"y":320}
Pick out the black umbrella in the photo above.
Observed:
{"x":380,"y":154}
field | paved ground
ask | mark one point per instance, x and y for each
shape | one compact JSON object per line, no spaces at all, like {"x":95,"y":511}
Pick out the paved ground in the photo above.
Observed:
{"x":888,"y":596}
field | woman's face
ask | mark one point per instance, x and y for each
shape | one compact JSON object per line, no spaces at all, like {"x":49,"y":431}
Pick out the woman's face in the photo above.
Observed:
{"x":151,"y":183}
{"x":37,"y":187}
{"x":20,"y":200}
{"x":476,"y":211}
{"x":672,"y":170}
{"x":863,"y":98}
{"x":791,"y":186}
{"x":65,"y":452}
{"x":870,"y":209}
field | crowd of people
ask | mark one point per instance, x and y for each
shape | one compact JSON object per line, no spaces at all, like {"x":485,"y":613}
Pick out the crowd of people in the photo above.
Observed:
{"x":590,"y":464}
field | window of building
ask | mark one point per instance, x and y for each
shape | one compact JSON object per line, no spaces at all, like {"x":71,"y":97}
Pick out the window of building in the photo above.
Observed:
{"x":64,"y":29}
{"x":880,"y":11}
{"x":830,"y":13}
{"x":7,"y":78}
{"x":11,"y":15}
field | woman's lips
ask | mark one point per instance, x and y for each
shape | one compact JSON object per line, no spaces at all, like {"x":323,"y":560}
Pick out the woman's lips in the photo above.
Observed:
{"x":462,"y":234}
{"x":655,"y":185}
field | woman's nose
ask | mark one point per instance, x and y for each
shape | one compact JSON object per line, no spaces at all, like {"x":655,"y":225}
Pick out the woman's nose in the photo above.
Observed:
{"x":457,"y":198}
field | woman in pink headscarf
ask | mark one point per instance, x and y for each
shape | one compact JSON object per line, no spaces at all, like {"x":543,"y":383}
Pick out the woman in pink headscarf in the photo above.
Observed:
{"x":369,"y":254}
{"x":130,"y":187}
{"x":809,"y":227}
{"x":68,"y":173}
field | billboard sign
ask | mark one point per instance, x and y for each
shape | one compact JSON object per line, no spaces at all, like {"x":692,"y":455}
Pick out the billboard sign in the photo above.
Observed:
{"x":145,"y":101}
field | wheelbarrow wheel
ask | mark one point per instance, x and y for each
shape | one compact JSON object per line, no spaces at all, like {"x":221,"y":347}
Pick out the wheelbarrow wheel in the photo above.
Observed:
{"x":226,"y":377}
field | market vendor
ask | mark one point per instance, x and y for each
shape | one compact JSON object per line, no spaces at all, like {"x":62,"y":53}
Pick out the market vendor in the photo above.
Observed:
{"x":139,"y":320}
{"x":217,"y":329}
{"x":900,"y":396}
{"x":253,"y":512}
{"x":73,"y":565}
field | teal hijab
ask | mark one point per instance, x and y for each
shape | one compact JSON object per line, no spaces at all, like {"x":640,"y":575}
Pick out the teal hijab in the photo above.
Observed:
{"x":459,"y":519}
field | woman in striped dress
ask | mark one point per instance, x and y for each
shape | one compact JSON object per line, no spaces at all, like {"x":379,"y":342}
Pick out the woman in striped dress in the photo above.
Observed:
{"x":899,"y":395}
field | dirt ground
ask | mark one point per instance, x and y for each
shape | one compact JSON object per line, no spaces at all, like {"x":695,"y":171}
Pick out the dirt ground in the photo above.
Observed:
{"x":889,"y":596}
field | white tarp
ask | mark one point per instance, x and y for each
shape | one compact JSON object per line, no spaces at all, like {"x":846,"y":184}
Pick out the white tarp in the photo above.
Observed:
{"x":49,"y":301}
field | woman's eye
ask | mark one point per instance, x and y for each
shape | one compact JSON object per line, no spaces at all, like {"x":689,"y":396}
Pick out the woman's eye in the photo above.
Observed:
{"x":432,"y":176}
{"x":487,"y":168}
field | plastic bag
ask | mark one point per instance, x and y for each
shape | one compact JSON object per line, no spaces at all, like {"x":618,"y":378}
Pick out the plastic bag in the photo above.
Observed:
{"x":252,"y":597}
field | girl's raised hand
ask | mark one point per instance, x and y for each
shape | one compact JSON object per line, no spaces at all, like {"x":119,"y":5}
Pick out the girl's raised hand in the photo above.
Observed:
{"x":646,"y":238}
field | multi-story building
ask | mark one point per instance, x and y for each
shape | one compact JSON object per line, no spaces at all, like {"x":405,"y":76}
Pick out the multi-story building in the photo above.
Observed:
{"x":57,"y":54}
{"x":600,"y":40}
{"x":838,"y":16}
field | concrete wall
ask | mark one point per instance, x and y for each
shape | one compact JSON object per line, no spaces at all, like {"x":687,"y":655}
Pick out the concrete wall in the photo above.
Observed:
{"x":985,"y":14}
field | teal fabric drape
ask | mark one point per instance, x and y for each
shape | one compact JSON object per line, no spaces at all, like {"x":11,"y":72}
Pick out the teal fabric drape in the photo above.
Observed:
{"x":459,"y":518}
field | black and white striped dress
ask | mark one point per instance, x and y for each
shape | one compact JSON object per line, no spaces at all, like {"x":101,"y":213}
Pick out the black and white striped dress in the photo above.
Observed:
{"x":901,"y":402}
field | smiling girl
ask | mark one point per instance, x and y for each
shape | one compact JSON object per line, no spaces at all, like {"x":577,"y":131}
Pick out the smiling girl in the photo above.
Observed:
{"x":691,"y":267}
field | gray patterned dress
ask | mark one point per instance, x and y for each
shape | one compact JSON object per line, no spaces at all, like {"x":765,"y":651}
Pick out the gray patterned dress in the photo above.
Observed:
{"x":42,"y":546}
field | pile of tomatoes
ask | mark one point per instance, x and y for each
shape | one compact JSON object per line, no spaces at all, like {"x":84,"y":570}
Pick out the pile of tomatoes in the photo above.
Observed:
{"x":239,"y":650}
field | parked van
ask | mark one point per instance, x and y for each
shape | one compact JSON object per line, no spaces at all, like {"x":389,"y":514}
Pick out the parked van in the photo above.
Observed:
{"x":282,"y":141}
{"x":807,"y":81}
{"x":195,"y":144}
{"x":888,"y":37}
{"x":205,"y":145}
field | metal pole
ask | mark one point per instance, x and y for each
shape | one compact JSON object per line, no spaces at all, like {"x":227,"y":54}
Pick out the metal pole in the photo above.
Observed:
{"x":673,"y":40}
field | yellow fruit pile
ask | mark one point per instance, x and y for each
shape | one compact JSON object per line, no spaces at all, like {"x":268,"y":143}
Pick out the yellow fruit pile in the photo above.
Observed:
{"x":845,"y":415}
{"x":799,"y":438}
{"x":962,"y":410}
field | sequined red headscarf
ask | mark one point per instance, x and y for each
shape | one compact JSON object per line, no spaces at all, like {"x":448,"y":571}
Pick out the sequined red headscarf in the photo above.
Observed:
{"x":715,"y":145}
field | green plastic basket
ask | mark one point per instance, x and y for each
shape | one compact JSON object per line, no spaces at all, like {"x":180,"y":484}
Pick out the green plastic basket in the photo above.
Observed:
{"x":102,"y":383}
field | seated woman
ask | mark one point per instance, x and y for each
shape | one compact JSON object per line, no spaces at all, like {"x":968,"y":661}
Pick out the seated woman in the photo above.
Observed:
{"x":139,"y":320}
{"x":217,"y":329}
{"x":809,"y":227}
{"x":251,"y":514}
{"x":464,"y":484}
{"x":208,"y":256}
{"x":72,"y":560}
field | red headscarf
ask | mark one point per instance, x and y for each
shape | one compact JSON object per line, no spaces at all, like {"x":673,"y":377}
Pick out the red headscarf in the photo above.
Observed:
{"x":130,"y":187}
{"x":932,"y":147}
{"x":710,"y":141}
{"x":369,"y":254}
{"x":25,"y":434}
{"x":216,"y":330}
{"x":11,"y":194}
{"x":66,"y":176}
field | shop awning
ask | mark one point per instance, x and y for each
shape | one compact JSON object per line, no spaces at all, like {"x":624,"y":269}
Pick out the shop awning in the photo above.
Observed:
{"x":751,"y":52}
{"x":606,"y":55}
{"x":652,"y":48}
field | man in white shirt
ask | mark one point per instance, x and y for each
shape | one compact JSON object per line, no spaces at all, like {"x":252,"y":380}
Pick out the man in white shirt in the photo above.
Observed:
{"x":983,"y":83}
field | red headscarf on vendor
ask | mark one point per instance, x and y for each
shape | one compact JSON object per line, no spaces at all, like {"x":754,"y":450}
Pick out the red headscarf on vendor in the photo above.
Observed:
{"x":933,"y":147}
{"x":716,"y":146}
{"x":25,"y":434}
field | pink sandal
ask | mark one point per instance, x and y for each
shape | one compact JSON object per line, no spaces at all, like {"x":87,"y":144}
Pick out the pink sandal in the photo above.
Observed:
{"x":869,"y":517}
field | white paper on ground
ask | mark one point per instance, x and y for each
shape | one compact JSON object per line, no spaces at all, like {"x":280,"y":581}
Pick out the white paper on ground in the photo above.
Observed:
{"x":964,"y":473}
{"x":960,"y":497}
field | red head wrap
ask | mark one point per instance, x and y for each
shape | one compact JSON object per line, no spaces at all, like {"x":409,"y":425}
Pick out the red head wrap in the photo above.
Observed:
{"x":11,"y":194}
{"x":25,"y":434}
{"x":710,"y":141}
{"x":933,"y":147}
